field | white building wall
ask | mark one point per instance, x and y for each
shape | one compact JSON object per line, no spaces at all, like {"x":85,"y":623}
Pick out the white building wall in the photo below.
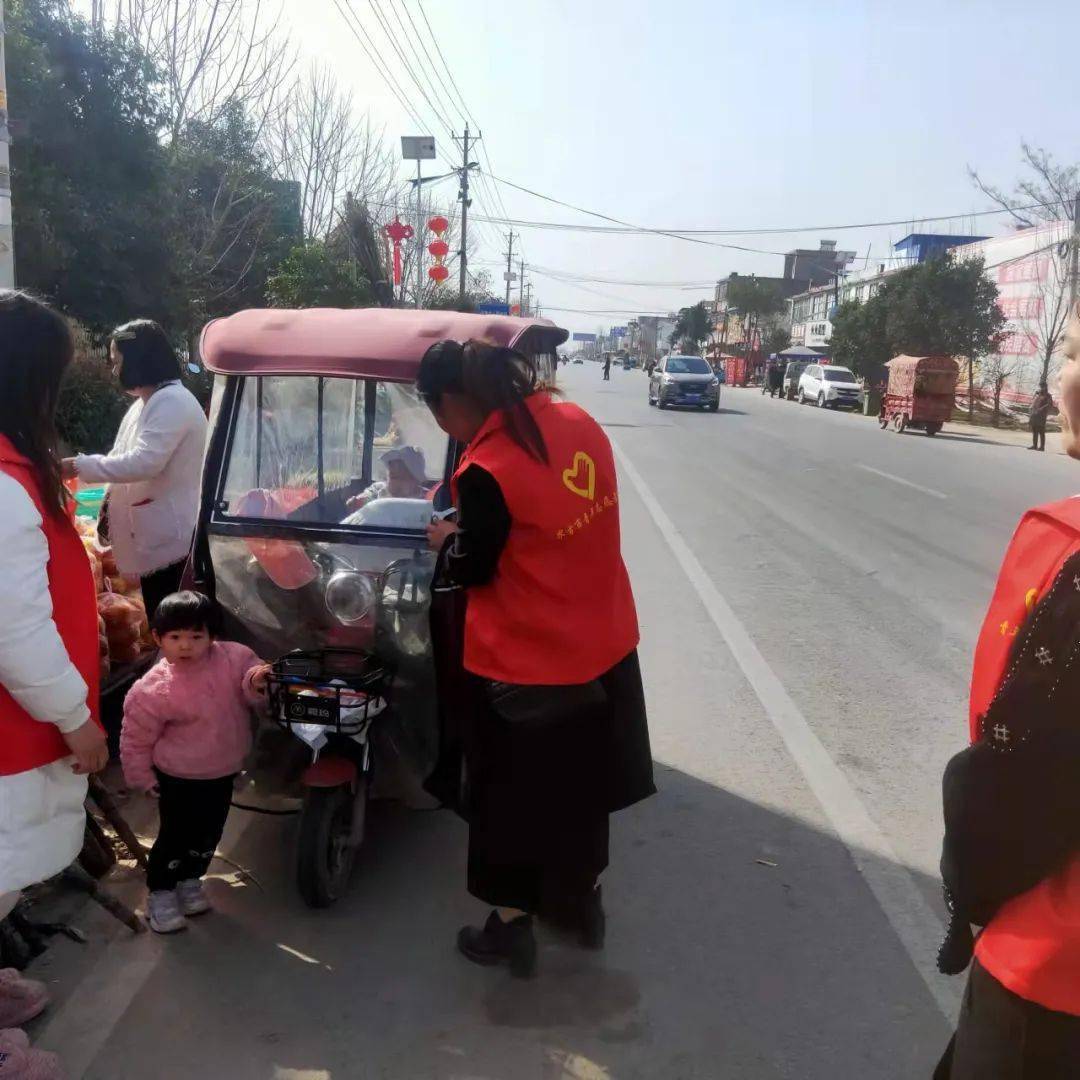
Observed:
{"x":1030,"y":269}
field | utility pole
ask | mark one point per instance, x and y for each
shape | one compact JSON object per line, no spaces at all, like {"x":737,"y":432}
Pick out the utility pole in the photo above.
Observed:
{"x":463,"y":195}
{"x":509,"y":265}
{"x":521,"y":286}
{"x":1074,"y":257}
{"x":7,"y":240}
{"x":419,"y":236}
{"x":528,"y":300}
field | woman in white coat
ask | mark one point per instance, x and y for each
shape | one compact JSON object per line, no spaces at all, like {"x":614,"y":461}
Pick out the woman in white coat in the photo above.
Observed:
{"x":155,"y":466}
{"x":49,"y":739}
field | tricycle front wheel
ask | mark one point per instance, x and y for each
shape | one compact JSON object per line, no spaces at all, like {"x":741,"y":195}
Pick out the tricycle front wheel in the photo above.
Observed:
{"x":328,"y":841}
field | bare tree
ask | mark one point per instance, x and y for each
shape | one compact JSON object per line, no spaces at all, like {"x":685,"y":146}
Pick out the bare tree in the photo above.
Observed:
{"x":1052,"y":304}
{"x":995,"y":370}
{"x":1047,"y":193}
{"x":213,"y":55}
{"x":321,"y":144}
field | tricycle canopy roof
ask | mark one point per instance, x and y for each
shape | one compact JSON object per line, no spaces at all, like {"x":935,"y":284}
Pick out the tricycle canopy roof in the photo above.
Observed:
{"x":376,"y":343}
{"x":923,"y":363}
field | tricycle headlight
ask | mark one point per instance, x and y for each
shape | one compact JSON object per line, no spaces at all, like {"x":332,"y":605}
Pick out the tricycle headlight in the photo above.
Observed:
{"x":667,"y":380}
{"x":350,"y":596}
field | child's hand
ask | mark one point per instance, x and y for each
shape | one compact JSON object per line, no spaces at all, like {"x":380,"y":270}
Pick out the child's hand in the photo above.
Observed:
{"x":260,"y":676}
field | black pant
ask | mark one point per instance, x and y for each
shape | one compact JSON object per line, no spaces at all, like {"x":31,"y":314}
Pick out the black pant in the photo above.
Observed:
{"x":161,"y":583}
{"x":1038,"y":436}
{"x":193,"y":814}
{"x":1000,"y":1036}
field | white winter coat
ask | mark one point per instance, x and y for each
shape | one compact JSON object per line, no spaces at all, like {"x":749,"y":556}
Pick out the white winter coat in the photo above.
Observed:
{"x":153,"y":472}
{"x":41,"y":810}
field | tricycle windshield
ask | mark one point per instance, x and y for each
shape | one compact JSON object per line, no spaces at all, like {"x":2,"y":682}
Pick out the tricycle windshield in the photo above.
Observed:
{"x":333,"y":451}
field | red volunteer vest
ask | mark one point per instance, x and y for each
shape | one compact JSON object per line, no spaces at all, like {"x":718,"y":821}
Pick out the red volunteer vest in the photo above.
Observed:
{"x":26,"y":743}
{"x":1032,"y":945}
{"x":559,"y":610}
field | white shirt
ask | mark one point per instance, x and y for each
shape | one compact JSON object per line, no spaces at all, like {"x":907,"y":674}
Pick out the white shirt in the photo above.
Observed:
{"x":153,"y":471}
{"x":41,"y":810}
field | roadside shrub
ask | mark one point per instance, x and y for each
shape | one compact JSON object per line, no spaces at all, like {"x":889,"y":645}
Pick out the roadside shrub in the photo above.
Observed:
{"x":91,"y":403}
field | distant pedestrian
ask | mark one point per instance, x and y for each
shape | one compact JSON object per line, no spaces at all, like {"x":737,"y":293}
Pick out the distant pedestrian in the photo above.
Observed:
{"x":556,"y":729}
{"x":186,"y":732}
{"x":607,"y":368}
{"x":1011,"y":861}
{"x":1041,"y":404}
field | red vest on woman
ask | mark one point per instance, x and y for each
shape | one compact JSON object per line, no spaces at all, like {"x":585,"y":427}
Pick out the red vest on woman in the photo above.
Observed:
{"x":26,"y":743}
{"x":1032,"y":944}
{"x":559,"y":609}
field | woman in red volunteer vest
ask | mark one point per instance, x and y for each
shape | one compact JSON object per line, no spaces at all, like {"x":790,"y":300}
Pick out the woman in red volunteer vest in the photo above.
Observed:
{"x":1021,"y":1012}
{"x":557,"y":735}
{"x":49,"y":738}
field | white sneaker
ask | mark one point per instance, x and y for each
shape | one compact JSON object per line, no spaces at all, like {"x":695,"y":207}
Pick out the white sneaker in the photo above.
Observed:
{"x":163,"y":913}
{"x":192,"y":897}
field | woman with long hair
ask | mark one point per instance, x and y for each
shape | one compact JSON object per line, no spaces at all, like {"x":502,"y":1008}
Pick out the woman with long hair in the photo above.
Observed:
{"x":154,"y":468}
{"x":556,"y":736}
{"x":49,"y":737}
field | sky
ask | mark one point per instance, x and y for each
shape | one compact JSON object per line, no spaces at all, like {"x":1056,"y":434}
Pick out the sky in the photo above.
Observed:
{"x":706,"y":114}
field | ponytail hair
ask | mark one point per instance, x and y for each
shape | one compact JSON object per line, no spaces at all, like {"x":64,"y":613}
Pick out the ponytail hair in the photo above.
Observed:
{"x":494,"y":378}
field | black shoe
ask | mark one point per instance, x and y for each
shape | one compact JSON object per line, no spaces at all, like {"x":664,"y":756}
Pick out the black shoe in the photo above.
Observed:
{"x":499,"y":942}
{"x":593,"y":921}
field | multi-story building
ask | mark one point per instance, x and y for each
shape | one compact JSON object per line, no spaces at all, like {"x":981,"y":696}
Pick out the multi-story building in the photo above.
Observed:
{"x":812,"y":309}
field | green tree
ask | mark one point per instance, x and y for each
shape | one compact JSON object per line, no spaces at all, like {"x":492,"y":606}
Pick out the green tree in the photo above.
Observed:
{"x":692,"y":326}
{"x":755,"y":300}
{"x":946,"y":307}
{"x":88,"y":170}
{"x":859,"y":339}
{"x":777,"y":338}
{"x":311,"y":276}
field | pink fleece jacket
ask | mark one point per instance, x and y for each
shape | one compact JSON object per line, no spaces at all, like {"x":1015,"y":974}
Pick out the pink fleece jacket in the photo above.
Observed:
{"x":190,"y":721}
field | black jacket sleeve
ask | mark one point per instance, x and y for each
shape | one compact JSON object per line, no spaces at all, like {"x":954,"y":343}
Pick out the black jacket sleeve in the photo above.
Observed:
{"x":483,"y":526}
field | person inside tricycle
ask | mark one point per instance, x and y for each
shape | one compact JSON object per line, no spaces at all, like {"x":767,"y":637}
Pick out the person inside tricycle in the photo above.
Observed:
{"x":318,"y":492}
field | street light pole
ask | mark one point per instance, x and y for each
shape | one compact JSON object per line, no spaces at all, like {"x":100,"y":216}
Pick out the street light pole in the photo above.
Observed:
{"x":419,"y":236}
{"x":509,"y":266}
{"x":7,"y":240}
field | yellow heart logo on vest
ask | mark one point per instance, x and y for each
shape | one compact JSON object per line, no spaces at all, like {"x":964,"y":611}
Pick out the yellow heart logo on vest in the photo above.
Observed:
{"x":580,"y":478}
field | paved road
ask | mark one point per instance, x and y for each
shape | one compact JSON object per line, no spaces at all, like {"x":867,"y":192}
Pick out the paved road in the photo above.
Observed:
{"x":809,"y":591}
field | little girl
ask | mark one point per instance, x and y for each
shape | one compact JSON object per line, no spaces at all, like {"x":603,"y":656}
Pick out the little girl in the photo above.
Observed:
{"x":186,"y":732}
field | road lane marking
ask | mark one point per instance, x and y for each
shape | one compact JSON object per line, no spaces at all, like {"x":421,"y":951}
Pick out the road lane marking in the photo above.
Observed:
{"x":912,"y":918}
{"x":901,"y":480}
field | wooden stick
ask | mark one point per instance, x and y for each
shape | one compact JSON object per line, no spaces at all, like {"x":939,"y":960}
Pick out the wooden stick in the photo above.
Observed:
{"x":111,"y":812}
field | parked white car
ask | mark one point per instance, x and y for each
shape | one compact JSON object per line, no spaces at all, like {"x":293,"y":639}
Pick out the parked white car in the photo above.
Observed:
{"x":829,"y":387}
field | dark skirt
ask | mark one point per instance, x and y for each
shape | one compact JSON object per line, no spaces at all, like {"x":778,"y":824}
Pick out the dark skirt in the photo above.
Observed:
{"x":1001,"y":1036}
{"x":539,"y":797}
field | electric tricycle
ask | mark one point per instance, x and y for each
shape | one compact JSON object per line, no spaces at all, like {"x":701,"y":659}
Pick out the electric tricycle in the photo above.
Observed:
{"x":323,"y":471}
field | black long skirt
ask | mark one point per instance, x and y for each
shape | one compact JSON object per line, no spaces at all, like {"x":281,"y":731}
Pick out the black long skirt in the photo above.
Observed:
{"x":539,"y":797}
{"x":1001,"y":1036}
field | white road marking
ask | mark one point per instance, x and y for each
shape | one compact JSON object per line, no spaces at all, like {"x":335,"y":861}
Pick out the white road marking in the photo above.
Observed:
{"x":901,"y":480}
{"x":915,"y":922}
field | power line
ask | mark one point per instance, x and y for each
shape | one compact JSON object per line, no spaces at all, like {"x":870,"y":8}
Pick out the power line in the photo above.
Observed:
{"x":408,"y":67}
{"x":682,"y":234}
{"x":357,"y":29}
{"x":435,"y":41}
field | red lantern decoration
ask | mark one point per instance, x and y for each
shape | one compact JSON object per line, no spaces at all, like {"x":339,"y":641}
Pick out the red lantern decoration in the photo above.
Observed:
{"x":397,"y":231}
{"x":439,"y":248}
{"x":438,"y":274}
{"x":438,"y":224}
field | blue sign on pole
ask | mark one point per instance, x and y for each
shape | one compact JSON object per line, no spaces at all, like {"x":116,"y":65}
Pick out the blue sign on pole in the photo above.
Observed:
{"x":618,"y":331}
{"x":493,"y":307}
{"x":584,"y":337}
